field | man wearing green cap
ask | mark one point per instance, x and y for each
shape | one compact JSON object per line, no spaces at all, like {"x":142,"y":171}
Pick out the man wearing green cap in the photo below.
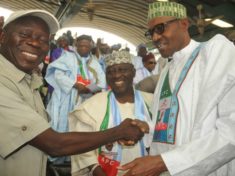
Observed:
{"x":194,"y":106}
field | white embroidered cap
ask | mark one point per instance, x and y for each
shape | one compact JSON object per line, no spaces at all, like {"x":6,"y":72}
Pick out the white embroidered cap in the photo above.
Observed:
{"x":118,"y":57}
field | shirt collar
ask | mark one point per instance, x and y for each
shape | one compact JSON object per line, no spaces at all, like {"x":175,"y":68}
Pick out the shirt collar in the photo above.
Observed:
{"x":186,"y":51}
{"x":84,"y":59}
{"x":12,"y":72}
{"x":34,"y":80}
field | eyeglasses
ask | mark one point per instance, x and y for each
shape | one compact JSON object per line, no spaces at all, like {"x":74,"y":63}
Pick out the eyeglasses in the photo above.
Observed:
{"x":159,"y":29}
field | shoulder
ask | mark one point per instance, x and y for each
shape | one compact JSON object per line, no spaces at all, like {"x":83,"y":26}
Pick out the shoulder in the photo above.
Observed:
{"x":68,"y":54}
{"x":97,"y":101}
{"x":57,"y":50}
{"x":95,"y":107}
{"x":148,"y":97}
{"x":140,"y":69}
{"x":148,"y":84}
{"x":218,"y":47}
{"x":96,"y":66}
{"x":218,"y":37}
{"x":66,"y":58}
{"x":94,"y":61}
{"x":218,"y":41}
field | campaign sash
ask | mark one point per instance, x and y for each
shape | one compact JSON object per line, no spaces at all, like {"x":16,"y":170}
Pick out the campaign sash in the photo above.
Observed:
{"x":109,"y":159}
{"x":83,"y":75}
{"x":168,"y":108}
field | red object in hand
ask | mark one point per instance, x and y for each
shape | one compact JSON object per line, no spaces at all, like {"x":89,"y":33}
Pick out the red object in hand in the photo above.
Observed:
{"x":109,"y":166}
{"x":83,"y":81}
{"x":47,"y":60}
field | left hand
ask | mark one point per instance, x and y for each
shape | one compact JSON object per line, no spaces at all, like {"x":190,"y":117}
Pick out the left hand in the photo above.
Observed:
{"x":145,"y":166}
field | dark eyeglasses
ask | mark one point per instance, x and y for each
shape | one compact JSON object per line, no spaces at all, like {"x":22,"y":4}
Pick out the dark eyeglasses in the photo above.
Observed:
{"x":150,"y":63}
{"x":159,"y":29}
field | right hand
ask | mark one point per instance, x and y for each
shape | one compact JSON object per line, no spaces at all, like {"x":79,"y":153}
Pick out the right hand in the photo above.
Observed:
{"x":98,"y":172}
{"x":131,"y":133}
{"x":82,"y":89}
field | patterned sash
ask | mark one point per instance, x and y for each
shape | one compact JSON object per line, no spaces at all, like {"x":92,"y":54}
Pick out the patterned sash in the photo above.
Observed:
{"x":110,"y":159}
{"x":168,"y":109}
{"x":82,"y":68}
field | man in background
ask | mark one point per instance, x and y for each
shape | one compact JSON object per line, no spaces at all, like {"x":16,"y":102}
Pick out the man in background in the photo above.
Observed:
{"x":75,"y":76}
{"x":147,"y":70}
{"x":141,"y":52}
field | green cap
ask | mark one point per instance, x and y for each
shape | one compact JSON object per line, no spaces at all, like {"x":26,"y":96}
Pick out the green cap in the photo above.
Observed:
{"x":158,"y":9}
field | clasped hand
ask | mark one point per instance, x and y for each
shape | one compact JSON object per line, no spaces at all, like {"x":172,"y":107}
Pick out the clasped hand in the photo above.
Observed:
{"x":133,"y":131}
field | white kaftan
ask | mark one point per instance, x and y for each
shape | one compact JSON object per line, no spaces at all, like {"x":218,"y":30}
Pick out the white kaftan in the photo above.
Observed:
{"x":88,"y":117}
{"x":205,"y":129}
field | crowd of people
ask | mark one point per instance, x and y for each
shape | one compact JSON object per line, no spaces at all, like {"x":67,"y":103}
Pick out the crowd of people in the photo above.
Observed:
{"x":96,"y":113}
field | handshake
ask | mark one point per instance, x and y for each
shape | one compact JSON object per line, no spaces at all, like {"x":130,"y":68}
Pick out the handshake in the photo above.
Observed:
{"x":130,"y":131}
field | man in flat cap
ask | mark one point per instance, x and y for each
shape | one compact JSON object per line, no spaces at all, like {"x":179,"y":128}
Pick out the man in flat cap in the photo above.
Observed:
{"x":25,"y":134}
{"x":114,"y":106}
{"x":148,"y":69}
{"x":194,"y":105}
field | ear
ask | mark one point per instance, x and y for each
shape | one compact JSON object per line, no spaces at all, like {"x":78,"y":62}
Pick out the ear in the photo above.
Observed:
{"x":2,"y":36}
{"x":185,"y":23}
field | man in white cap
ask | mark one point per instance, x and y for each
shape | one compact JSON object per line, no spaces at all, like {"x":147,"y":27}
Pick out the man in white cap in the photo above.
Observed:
{"x":25,"y":134}
{"x":114,"y":106}
{"x":141,"y":50}
{"x":194,"y":105}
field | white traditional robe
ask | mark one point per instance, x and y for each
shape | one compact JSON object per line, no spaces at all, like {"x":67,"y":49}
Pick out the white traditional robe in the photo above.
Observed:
{"x":142,"y":73}
{"x":205,"y":129}
{"x":62,"y":75}
{"x":137,"y":62}
{"x":89,"y":116}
